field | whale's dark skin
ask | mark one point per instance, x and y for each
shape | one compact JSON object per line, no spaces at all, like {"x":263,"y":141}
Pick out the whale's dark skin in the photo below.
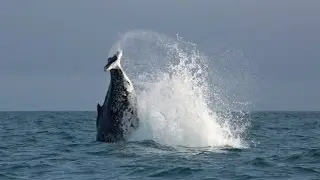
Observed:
{"x":117,"y":118}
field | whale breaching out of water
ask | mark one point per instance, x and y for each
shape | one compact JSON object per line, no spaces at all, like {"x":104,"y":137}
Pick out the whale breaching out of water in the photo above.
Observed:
{"x":117,"y":118}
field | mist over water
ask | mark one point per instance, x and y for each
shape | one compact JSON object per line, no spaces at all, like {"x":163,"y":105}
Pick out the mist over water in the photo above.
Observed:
{"x":175,"y":94}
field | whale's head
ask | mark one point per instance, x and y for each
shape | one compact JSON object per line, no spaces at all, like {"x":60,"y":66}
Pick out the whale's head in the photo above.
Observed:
{"x":114,"y":62}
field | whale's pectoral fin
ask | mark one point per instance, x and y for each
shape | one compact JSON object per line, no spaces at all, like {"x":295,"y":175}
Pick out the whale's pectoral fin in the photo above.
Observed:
{"x":99,"y":111}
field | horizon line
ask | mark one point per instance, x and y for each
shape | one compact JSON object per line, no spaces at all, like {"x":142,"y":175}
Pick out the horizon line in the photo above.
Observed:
{"x":260,"y":110}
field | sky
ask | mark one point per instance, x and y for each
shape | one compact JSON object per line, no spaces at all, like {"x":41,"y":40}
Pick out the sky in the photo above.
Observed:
{"x":52,"y":52}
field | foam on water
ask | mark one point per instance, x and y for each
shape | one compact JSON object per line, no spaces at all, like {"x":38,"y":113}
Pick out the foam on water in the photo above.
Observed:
{"x":174,"y":93}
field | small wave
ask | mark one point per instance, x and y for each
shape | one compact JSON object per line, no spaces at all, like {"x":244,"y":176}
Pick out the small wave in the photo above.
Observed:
{"x":154,"y":144}
{"x":176,"y":171}
{"x":308,"y":155}
{"x":260,"y":162}
{"x":315,"y":153}
{"x":11,"y":176}
{"x":302,"y":169}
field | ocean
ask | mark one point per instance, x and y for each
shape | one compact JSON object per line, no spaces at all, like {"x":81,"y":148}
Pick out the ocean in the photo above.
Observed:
{"x":61,"y":145}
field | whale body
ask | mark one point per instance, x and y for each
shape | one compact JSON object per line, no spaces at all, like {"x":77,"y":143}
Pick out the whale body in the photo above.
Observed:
{"x":117,"y":118}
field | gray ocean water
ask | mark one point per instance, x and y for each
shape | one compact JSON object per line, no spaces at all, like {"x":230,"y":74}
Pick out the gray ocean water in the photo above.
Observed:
{"x":61,"y":145}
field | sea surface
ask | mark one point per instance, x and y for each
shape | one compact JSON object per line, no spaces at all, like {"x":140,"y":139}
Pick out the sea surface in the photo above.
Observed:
{"x":61,"y":145}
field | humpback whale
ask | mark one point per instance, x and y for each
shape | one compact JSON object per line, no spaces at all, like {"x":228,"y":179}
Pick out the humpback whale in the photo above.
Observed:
{"x":117,"y":118}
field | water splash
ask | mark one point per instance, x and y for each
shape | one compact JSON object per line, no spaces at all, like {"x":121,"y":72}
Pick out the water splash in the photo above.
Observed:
{"x":171,"y":77}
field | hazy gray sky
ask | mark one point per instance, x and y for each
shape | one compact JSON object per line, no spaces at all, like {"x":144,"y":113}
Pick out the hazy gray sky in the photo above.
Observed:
{"x":52,"y":52}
